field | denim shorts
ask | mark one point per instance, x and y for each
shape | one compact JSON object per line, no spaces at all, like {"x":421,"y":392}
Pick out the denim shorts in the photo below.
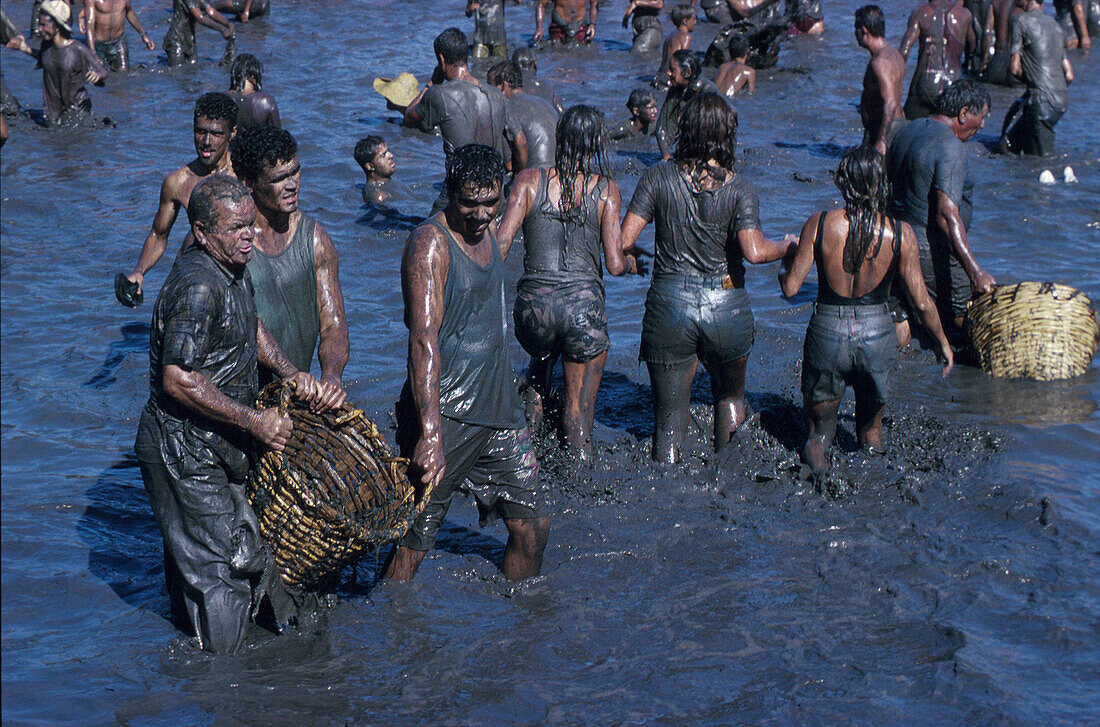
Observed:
{"x":848,"y":345}
{"x":690,"y":315}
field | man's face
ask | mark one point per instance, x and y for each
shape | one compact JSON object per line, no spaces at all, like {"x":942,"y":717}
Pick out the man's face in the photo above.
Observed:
{"x":230,"y":239}
{"x":971,"y":123}
{"x":384,"y":162}
{"x":471,"y":210}
{"x":211,"y":140}
{"x":861,"y":37}
{"x":689,"y":24}
{"x":47,"y":28}
{"x":647,"y":113}
{"x":276,"y":188}
{"x":676,"y":75}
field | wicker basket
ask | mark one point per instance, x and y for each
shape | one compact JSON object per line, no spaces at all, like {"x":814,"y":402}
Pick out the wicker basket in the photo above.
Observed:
{"x":332,"y":495}
{"x":1039,"y":331}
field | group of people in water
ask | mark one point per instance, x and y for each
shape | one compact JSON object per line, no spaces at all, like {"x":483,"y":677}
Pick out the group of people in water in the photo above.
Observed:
{"x":255,"y":294}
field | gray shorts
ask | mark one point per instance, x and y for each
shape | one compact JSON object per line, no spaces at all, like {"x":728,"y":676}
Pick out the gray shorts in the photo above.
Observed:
{"x":497,"y":466}
{"x":848,"y":345}
{"x":689,"y":315}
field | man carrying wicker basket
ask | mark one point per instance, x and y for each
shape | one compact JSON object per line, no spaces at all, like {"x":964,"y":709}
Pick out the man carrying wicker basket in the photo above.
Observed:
{"x":195,"y":431}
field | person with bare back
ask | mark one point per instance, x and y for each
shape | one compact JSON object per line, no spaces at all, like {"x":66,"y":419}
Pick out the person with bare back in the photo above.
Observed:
{"x":571,"y":21}
{"x":998,"y":40}
{"x":106,"y":23}
{"x":945,"y":31}
{"x":880,"y":104}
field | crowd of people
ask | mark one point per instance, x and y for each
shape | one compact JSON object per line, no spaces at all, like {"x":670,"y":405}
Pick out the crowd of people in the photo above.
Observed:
{"x":254,"y":293}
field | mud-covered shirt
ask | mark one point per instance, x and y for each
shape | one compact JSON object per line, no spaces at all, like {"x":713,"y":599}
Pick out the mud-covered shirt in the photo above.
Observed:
{"x":466,"y":113}
{"x":696,"y":229}
{"x":926,"y":156}
{"x":64,"y":71}
{"x":538,"y":119}
{"x":1038,"y":39}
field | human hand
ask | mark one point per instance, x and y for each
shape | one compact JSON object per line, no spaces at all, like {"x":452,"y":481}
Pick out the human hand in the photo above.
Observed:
{"x":947,"y":357}
{"x":136,"y":277}
{"x":305,"y":387}
{"x":982,"y":282}
{"x":271,"y":428}
{"x":330,"y":394}
{"x":428,"y":459}
{"x":244,"y":17}
{"x":93,"y":77}
{"x":590,"y":32}
{"x":148,"y":42}
{"x":228,"y":33}
{"x":641,"y":267}
{"x":537,"y":37}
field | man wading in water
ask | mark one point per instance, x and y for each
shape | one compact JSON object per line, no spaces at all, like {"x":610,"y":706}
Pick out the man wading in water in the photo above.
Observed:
{"x":215,"y":120}
{"x":945,"y":30}
{"x":880,"y":104}
{"x":571,"y":21}
{"x":460,"y":419}
{"x":106,"y":32}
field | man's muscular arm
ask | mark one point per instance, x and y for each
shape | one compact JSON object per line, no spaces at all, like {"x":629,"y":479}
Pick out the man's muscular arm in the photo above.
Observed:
{"x":951,"y":224}
{"x":889,"y":93}
{"x":332,"y":351}
{"x":132,"y":17}
{"x":912,"y":34}
{"x":424,"y":269}
{"x":592,"y":12}
{"x":157,"y":240}
{"x":540,"y":16}
{"x":273,"y":359}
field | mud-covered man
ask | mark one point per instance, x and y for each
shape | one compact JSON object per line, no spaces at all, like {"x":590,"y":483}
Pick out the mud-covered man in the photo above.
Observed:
{"x":642,"y":104}
{"x":374,"y":157}
{"x":490,"y":38}
{"x":880,"y":104}
{"x":945,"y":30}
{"x":571,"y":21}
{"x":534,"y":115}
{"x":644,"y":18}
{"x":106,"y":31}
{"x":215,"y":119}
{"x":528,"y":63}
{"x":198,"y":427}
{"x":294,"y":267}
{"x":246,"y":82}
{"x":997,"y":43}
{"x":460,"y":419}
{"x":179,"y":40}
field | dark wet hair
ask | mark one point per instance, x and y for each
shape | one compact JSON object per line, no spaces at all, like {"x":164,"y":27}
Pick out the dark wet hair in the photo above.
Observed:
{"x":739,"y":46}
{"x":688,"y":63}
{"x":258,"y":147}
{"x":581,"y":149}
{"x":505,"y":72}
{"x":640,"y":98}
{"x":708,"y":130}
{"x":474,"y":166}
{"x":863,"y":183}
{"x":246,"y":67}
{"x":451,"y":45}
{"x":680,"y":13}
{"x":210,"y":195}
{"x":366,"y":148}
{"x":526,"y":59}
{"x":871,"y":19}
{"x":963,"y":94}
{"x":217,"y":106}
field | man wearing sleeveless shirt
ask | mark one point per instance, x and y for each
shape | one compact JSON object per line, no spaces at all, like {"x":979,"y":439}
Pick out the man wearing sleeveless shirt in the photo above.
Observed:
{"x":294,"y":267}
{"x":460,"y":419}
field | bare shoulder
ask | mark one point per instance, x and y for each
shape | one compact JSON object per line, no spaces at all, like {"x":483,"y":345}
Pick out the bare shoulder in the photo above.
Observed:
{"x":323,"y":248}
{"x":426,"y":247}
{"x":178,"y":184}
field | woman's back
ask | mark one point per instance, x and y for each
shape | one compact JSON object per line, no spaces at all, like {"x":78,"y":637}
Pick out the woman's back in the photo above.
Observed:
{"x":864,"y":281}
{"x":563,"y":245}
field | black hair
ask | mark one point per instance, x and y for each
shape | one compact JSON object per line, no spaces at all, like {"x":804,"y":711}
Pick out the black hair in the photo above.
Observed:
{"x":871,"y":19}
{"x":963,"y":94}
{"x":680,"y":13}
{"x":505,"y":72}
{"x":526,"y":59}
{"x":708,"y":130}
{"x":474,"y":166}
{"x":640,"y":98}
{"x":258,"y":147}
{"x":217,"y":106}
{"x":246,"y":67}
{"x":581,"y":150}
{"x":209,"y":195}
{"x":863,"y":183}
{"x":739,"y":46}
{"x":451,"y":45}
{"x":688,"y":63}
{"x":366,"y":148}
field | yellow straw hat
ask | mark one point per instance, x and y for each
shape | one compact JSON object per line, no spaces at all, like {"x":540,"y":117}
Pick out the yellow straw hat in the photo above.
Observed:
{"x":399,"y":91}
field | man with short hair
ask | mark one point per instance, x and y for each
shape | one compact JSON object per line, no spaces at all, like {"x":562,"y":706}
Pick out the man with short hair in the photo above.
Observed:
{"x":197,"y":429}
{"x":932,"y":189}
{"x":294,"y":267}
{"x":179,"y":40}
{"x":1039,"y":59}
{"x":945,"y":31}
{"x":215,"y":119}
{"x":534,"y":115}
{"x":997,"y":43}
{"x":571,"y":21}
{"x":643,"y":115}
{"x":460,"y":419}
{"x":880,"y":105}
{"x":106,"y":31}
{"x":528,"y":63}
{"x":465,"y":110}
{"x":736,"y":73}
{"x":377,"y":162}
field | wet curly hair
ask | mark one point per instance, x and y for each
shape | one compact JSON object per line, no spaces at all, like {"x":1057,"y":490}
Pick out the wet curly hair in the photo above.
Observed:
{"x":474,"y":166}
{"x":258,"y":147}
{"x":217,"y":106}
{"x":246,"y":67}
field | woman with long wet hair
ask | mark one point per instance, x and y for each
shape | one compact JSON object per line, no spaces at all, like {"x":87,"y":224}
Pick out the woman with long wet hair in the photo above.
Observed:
{"x":858,"y":251}
{"x":568,"y":213}
{"x":707,"y":227}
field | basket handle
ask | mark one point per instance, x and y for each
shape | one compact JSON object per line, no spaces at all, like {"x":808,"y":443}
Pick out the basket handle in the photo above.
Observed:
{"x":284,"y":396}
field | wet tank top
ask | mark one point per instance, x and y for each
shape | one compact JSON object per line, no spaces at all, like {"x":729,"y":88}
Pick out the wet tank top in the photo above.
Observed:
{"x":562,"y":247}
{"x":285,"y":289}
{"x":877,"y":296}
{"x":476,"y":382}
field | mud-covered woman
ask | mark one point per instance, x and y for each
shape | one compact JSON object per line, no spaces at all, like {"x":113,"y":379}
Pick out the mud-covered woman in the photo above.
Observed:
{"x":858,"y":251}
{"x":707,"y":227}
{"x":569,"y":214}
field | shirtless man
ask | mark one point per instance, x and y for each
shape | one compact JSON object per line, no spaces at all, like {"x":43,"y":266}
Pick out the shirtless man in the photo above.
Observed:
{"x":880,"y":104}
{"x":215,"y":122}
{"x":571,"y":21}
{"x":683,"y":18}
{"x":945,"y":31}
{"x":246,"y":79}
{"x":737,"y":73}
{"x":997,"y":41}
{"x":378,"y":164}
{"x":243,"y":9}
{"x":106,"y":26}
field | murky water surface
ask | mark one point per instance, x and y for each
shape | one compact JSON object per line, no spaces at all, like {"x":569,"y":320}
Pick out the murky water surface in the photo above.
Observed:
{"x":954,"y":581}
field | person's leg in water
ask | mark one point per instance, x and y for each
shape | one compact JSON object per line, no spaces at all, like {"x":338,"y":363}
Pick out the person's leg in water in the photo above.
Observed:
{"x":671,"y":399}
{"x":821,"y":422}
{"x":868,"y":420}
{"x":727,"y":385}
{"x":540,"y":373}
{"x":526,"y":543}
{"x":582,"y":383}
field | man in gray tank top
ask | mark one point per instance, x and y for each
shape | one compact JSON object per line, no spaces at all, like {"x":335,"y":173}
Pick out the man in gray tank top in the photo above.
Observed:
{"x":460,"y":419}
{"x":294,"y":268}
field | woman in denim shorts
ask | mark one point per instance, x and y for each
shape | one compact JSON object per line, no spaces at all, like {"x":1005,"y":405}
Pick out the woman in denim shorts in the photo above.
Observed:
{"x":850,"y":340}
{"x":707,"y":226}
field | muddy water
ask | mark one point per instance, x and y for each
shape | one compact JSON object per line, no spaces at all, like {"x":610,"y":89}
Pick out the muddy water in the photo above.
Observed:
{"x":954,"y":580}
